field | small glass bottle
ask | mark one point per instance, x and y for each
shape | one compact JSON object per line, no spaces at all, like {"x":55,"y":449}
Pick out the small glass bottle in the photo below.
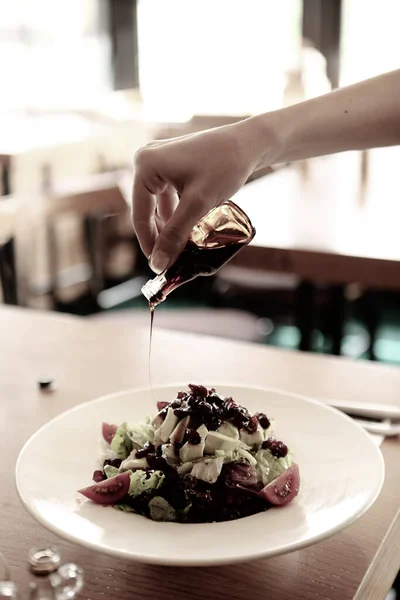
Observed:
{"x":216,"y":238}
{"x":52,"y":581}
{"x":8,"y":588}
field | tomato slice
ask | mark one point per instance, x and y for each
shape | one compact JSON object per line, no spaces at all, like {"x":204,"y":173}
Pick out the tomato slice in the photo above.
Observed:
{"x":108,"y":432}
{"x":109,"y":491}
{"x":283,"y":488}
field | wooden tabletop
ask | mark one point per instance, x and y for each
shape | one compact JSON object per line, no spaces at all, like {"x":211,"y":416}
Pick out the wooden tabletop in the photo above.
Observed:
{"x":333,"y":219}
{"x":25,"y":130}
{"x":87,"y":359}
{"x":40,"y":148}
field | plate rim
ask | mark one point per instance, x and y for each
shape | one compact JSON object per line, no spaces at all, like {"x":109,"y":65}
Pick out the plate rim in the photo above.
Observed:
{"x":188,"y":562}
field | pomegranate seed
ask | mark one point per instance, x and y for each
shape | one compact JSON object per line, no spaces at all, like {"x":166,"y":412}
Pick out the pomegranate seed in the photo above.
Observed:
{"x":263,"y":420}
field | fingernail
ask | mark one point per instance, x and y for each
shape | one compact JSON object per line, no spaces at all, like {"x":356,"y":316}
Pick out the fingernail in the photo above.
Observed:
{"x":159,"y":261}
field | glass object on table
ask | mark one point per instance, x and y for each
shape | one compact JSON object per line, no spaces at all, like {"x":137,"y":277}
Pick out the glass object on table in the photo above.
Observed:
{"x":8,"y":589}
{"x":52,"y":581}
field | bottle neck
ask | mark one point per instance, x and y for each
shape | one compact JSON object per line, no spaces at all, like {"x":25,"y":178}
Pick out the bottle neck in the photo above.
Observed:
{"x":153,"y":289}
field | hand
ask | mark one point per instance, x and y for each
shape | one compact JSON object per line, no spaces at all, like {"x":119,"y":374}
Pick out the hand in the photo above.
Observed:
{"x":178,"y":181}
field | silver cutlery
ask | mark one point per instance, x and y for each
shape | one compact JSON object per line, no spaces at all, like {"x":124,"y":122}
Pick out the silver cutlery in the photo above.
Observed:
{"x":380,"y":427}
{"x":367,"y":409}
{"x":373,"y":417}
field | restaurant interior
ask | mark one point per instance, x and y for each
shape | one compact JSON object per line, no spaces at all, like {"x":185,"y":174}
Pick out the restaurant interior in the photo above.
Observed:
{"x":81,"y":93}
{"x":86,"y":83}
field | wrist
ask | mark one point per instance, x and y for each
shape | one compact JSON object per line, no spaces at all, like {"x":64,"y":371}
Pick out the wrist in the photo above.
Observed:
{"x":267,"y":135}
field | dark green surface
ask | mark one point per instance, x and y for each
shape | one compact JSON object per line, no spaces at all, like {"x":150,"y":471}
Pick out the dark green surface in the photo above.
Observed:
{"x":355,"y":341}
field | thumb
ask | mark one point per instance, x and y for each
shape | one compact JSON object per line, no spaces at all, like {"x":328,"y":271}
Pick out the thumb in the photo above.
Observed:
{"x":173,"y":237}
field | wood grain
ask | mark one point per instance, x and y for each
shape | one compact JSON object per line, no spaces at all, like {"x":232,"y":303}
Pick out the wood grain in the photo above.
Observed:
{"x":88,"y":359}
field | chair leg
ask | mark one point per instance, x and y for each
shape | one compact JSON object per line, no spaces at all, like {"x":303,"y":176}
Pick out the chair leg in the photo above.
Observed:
{"x":94,"y":231}
{"x":5,"y":181}
{"x":338,"y":317}
{"x":8,"y":274}
{"x":305,"y":314}
{"x":52,"y":256}
{"x":372,"y":307}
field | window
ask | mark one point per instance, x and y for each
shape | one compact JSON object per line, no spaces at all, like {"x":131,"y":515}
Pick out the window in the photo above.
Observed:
{"x":220,"y":57}
{"x":371,"y":46}
{"x":370,"y":39}
{"x":53,"y":52}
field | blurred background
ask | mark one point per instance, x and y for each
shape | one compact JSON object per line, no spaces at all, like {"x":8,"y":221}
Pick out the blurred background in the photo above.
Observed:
{"x":85,"y":83}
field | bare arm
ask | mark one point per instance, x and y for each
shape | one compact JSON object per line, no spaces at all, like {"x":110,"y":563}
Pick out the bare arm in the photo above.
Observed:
{"x":361,"y":116}
{"x":207,"y":168}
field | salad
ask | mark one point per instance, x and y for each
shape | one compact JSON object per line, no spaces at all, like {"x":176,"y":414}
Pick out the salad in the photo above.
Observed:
{"x":201,"y":458}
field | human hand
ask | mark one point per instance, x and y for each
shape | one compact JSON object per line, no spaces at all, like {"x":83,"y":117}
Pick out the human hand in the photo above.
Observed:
{"x":178,"y":181}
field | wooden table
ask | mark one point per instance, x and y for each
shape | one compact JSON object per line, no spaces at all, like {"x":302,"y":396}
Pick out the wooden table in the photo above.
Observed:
{"x":328,"y":219}
{"x":331,"y":221}
{"x":87,"y":359}
{"x":40,"y":149}
{"x":24,"y":131}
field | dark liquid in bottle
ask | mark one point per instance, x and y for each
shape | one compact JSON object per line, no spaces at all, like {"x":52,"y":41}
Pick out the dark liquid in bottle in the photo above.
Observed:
{"x":192,"y":262}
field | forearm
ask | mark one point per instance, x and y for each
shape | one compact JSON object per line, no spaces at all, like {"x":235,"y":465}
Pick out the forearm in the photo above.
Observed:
{"x":361,"y":116}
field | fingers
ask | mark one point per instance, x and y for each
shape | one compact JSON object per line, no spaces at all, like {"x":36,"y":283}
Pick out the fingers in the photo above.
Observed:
{"x":176,"y":232}
{"x":143,"y":216}
{"x":159,"y":223}
{"x":167,"y":202}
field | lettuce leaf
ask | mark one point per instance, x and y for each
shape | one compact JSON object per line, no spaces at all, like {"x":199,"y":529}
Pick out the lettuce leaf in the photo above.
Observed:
{"x":121,"y":443}
{"x":269,"y":467}
{"x":124,"y":508}
{"x":140,"y":433}
{"x":160,"y":510}
{"x":111,"y":471}
{"x":208,"y":469}
{"x":144,"y":481}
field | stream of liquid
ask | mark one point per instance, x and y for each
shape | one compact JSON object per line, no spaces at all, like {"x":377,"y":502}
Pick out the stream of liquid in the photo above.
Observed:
{"x":150,"y":344}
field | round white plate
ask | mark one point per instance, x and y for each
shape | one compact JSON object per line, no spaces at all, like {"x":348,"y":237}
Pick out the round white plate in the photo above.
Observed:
{"x":341,"y":472}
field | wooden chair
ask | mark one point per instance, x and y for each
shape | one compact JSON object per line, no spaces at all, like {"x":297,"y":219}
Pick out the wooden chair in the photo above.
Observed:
{"x":92,"y":200}
{"x":9,"y":211}
{"x":280,"y":297}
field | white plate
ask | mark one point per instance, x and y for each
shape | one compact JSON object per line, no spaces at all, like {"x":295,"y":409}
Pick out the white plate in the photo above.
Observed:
{"x":341,"y":472}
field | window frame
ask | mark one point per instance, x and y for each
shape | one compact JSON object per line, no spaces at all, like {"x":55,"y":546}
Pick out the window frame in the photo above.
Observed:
{"x":322,"y":20}
{"x":124,"y":44}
